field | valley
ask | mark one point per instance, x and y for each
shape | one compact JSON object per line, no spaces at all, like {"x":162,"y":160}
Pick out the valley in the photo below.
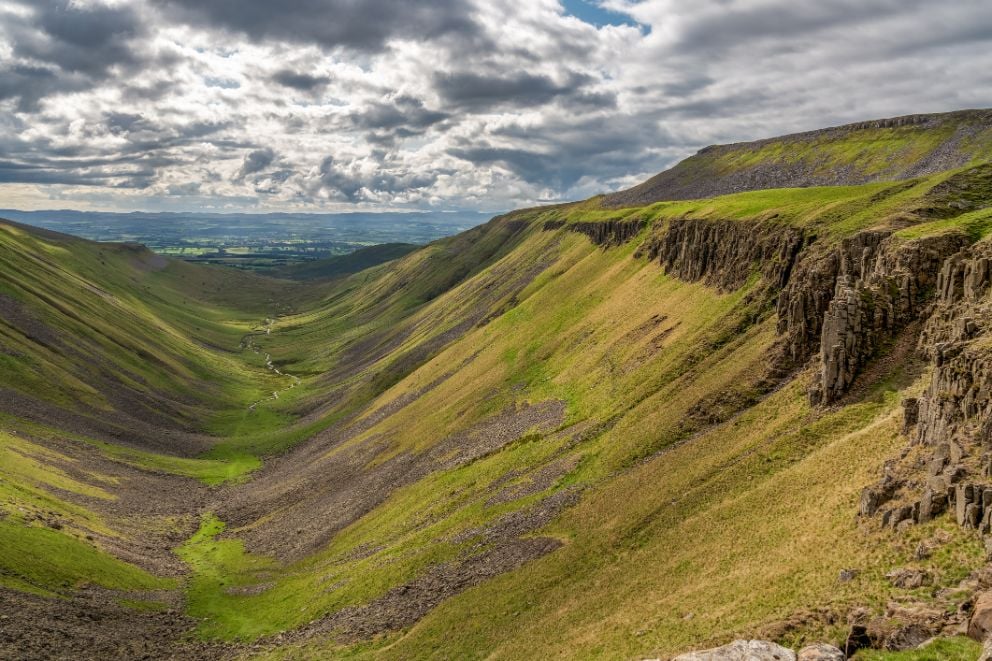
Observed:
{"x":279,"y":244}
{"x":741,"y":400}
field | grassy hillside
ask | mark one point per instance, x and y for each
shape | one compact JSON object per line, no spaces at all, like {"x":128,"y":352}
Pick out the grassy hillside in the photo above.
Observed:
{"x":535,"y":439}
{"x":854,"y":154}
{"x":340,"y":265}
{"x":669,"y":436}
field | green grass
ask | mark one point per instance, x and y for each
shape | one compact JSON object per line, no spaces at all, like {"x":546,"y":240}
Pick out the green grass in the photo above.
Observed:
{"x":230,"y":466}
{"x":46,"y":561}
{"x":214,"y":562}
{"x":957,"y":648}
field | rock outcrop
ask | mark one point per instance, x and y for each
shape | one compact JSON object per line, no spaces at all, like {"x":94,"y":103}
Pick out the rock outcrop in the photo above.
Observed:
{"x":725,"y":254}
{"x":838,"y":303}
{"x":892,"y":290}
{"x":957,"y":407}
{"x":952,"y":419}
{"x":820,"y":652}
{"x":845,"y":302}
{"x":804,"y":300}
{"x":980,"y":625}
{"x":602,"y":233}
{"x":742,"y":650}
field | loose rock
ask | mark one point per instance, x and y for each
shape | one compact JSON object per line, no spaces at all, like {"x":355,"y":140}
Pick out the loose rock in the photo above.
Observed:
{"x":908,"y":579}
{"x":821,"y":652}
{"x":742,"y":650}
{"x":980,"y":625}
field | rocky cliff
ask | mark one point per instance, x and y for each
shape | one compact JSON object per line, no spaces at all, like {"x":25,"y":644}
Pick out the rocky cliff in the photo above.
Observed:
{"x":606,"y":233}
{"x":724,"y":253}
{"x":838,"y":303}
{"x":869,"y":308}
{"x":804,"y":300}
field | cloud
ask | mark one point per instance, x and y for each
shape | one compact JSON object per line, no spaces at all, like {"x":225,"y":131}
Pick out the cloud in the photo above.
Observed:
{"x":58,"y":46}
{"x":396,"y":118}
{"x":486,"y":104}
{"x":364,"y":26}
{"x":255,"y":161}
{"x":469,"y":90}
{"x":358,"y":182}
{"x":303,"y":82}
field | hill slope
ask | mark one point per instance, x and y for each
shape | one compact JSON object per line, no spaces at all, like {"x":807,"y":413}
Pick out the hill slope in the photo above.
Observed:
{"x":879,"y":150}
{"x":573,"y":431}
{"x":339,"y":265}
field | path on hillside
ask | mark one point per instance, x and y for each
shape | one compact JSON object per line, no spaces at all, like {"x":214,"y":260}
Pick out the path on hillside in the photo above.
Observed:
{"x":248,"y":342}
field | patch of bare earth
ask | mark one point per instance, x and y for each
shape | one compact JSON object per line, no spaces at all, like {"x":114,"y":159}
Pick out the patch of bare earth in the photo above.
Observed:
{"x":94,"y":624}
{"x":499,"y":547}
{"x":305,"y":499}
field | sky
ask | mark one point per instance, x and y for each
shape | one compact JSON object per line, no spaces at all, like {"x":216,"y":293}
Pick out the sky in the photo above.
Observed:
{"x":339,"y":105}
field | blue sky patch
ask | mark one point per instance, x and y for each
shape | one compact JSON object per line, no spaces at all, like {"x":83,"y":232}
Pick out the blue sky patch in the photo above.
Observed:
{"x":590,"y":12}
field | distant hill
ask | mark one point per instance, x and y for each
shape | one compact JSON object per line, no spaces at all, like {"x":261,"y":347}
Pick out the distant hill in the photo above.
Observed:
{"x":854,"y":154}
{"x":339,"y":265}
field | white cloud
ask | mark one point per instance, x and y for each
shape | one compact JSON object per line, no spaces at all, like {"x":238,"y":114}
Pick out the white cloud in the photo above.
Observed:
{"x":487,"y":105}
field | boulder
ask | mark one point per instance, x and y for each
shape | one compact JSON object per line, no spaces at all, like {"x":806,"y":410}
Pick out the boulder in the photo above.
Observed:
{"x":847,"y":575}
{"x":908,"y":579}
{"x":820,"y":652}
{"x":741,"y":650}
{"x":980,"y":625}
{"x":986,"y":654}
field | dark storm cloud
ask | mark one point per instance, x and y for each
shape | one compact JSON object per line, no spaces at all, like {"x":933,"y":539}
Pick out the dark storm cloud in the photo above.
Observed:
{"x":121,"y":122}
{"x":406,"y":114}
{"x":70,"y":48}
{"x":348,"y":184}
{"x":255,"y":161}
{"x":144,"y":138}
{"x":87,"y":40}
{"x":29,"y":84}
{"x":56,"y":173}
{"x":564,"y":152}
{"x":469,"y":90}
{"x":138,"y":152}
{"x":334,"y":178}
{"x":728,"y":104}
{"x":736,"y":24}
{"x":365,"y":25}
{"x":303,"y":82}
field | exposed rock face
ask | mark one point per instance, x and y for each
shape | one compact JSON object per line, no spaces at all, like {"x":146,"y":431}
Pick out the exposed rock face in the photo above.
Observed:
{"x":803,"y":302}
{"x":726,"y":253}
{"x":952,"y":418}
{"x":980,"y":625}
{"x":742,"y":650}
{"x":844,"y":302}
{"x":839,"y":303}
{"x":956,"y":407}
{"x":868,"y":309}
{"x":820,"y":652}
{"x":604,"y":233}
